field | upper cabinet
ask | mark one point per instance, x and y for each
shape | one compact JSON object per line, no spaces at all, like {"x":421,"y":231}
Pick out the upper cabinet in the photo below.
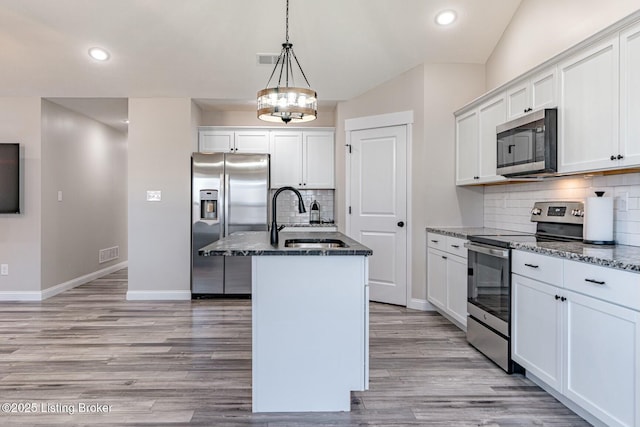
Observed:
{"x":476,"y":142}
{"x":596,"y":88}
{"x":299,"y":158}
{"x":302,"y":159}
{"x":630,"y":96}
{"x":588,"y":117}
{"x":233,"y":141}
{"x":532,"y":94}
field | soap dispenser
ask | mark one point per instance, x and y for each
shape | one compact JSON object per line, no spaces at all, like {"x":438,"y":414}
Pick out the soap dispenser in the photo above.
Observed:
{"x":314,"y":216}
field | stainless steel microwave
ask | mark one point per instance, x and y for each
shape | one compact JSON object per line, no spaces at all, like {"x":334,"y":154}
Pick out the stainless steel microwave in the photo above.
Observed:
{"x":527,"y":146}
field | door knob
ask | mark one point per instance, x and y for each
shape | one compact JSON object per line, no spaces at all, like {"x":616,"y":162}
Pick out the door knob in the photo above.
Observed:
{"x":400,"y":224}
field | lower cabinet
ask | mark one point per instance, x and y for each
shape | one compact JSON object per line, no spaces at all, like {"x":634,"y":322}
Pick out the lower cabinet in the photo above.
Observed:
{"x":603,"y":359}
{"x":536,"y":342}
{"x":584,"y":347}
{"x":447,"y":277}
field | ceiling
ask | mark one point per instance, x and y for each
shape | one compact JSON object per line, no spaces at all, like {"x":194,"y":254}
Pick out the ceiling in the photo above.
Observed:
{"x":206,"y":49}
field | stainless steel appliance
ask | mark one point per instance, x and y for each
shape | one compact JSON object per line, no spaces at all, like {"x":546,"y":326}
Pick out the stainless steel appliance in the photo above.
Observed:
{"x":489,"y":276}
{"x":527,"y":146}
{"x":229,"y":193}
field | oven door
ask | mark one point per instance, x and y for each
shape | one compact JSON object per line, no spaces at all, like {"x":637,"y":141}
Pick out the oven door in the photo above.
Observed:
{"x":489,"y":286}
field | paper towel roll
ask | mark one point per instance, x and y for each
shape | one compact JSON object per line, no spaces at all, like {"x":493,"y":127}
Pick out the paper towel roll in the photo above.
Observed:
{"x":598,"y":221}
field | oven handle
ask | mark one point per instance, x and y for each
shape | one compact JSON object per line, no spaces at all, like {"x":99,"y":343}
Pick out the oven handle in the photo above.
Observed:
{"x":487,"y":250}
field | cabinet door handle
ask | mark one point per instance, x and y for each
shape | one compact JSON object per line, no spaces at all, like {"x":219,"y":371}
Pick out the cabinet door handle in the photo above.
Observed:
{"x":612,"y":157}
{"x":597,"y":282}
{"x":455,"y":246}
{"x":563,"y":299}
{"x":620,"y":157}
{"x":435,"y":241}
{"x":531,"y":265}
{"x":557,"y":297}
{"x":444,"y":257}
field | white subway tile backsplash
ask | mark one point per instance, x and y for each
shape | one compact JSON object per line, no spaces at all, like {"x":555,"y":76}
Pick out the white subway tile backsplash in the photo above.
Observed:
{"x":287,"y":206}
{"x":508,"y":206}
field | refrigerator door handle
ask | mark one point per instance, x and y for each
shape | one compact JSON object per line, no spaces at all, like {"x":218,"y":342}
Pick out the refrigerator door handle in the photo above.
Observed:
{"x":226,"y":197}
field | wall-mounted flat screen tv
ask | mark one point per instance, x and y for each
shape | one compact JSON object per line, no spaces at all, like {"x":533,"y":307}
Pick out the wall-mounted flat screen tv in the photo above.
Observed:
{"x":9,"y":178}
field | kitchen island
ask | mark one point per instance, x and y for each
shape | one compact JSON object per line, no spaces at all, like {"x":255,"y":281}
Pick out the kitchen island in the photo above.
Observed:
{"x":310,"y":319}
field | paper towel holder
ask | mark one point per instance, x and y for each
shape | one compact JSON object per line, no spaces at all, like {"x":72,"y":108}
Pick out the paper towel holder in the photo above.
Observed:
{"x":599,"y":231}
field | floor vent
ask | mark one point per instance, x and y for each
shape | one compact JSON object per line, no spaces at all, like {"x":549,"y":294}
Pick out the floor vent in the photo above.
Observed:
{"x":267,"y":58}
{"x":109,"y":254}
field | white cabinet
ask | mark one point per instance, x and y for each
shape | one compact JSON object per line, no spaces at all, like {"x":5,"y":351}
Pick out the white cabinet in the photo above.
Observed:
{"x":580,"y":333}
{"x":630,"y":96}
{"x":233,"y":141}
{"x":302,"y":159}
{"x":437,"y":278}
{"x":476,"y":142}
{"x":588,"y":101}
{"x":447,"y":276}
{"x":603,"y":359}
{"x":536,"y":329}
{"x":532,"y":94}
{"x":467,"y":147}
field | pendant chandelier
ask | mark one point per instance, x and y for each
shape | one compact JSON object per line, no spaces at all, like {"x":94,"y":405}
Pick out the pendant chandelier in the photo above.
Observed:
{"x":287,"y":102}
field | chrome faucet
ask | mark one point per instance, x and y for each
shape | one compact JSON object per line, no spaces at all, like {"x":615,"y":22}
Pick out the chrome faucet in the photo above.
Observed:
{"x":274,"y":225}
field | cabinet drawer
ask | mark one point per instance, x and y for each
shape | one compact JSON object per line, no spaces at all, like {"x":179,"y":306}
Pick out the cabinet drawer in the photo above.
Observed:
{"x":608,"y":284}
{"x":538,"y":267}
{"x":437,"y":241}
{"x":455,"y":246}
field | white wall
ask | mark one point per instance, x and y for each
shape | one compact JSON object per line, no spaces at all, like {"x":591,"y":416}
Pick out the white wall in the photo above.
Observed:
{"x":87,"y":161}
{"x":433,"y":92}
{"x":541,"y":29}
{"x":20,"y":234}
{"x":160,"y":146}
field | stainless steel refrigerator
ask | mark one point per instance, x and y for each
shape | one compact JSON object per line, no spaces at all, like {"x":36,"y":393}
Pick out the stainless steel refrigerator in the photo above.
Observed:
{"x":229,"y":193}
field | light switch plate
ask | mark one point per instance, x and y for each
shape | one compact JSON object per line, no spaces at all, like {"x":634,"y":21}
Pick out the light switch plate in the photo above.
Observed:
{"x":622,"y":201}
{"x":59,"y":195}
{"x":154,"y":195}
{"x":4,"y":270}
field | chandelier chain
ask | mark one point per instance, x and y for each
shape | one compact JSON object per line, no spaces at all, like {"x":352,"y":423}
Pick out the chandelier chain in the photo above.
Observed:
{"x":287,"y":24}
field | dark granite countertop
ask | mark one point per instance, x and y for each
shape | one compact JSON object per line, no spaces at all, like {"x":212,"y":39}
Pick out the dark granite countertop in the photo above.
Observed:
{"x":322,"y":225}
{"x":621,"y":257}
{"x":252,"y":243}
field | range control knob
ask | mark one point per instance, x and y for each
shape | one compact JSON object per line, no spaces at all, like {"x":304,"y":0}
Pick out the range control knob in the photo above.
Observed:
{"x":536,"y":211}
{"x":577,"y":212}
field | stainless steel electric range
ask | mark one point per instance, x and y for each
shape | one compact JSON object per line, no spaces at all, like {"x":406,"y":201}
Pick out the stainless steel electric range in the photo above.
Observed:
{"x":489,"y":276}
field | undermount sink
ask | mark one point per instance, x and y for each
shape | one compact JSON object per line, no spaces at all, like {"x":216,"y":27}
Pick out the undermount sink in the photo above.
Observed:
{"x":314,"y":243}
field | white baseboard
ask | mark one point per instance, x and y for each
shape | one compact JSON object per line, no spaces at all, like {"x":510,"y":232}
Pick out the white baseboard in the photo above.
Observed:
{"x":158,"y":295}
{"x":20,"y":296}
{"x":566,"y":401}
{"x":55,"y":290}
{"x":420,"y":304}
{"x":61,"y":287}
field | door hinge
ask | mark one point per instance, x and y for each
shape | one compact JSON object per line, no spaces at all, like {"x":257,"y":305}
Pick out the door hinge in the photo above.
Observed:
{"x":349,"y":210}
{"x":348,"y":145}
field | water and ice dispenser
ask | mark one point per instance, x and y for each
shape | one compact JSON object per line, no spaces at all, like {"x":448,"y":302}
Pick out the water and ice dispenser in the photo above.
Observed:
{"x":209,"y":204}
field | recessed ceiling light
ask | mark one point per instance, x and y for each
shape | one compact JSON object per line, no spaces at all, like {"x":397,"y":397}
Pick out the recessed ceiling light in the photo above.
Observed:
{"x":98,"y":54}
{"x":445,"y":17}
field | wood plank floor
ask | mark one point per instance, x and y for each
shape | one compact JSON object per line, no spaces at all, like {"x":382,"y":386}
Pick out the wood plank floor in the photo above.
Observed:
{"x":189,"y":363}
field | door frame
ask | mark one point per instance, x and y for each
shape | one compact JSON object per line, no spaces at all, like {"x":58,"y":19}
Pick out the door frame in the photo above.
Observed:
{"x":402,"y":118}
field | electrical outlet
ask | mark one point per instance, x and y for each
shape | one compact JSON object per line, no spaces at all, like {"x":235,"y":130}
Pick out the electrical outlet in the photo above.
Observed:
{"x":154,"y":195}
{"x":59,"y":195}
{"x":622,"y":201}
{"x":4,"y":269}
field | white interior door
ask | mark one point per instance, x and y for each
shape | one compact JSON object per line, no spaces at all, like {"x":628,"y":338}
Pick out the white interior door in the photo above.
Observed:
{"x":378,"y":204}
